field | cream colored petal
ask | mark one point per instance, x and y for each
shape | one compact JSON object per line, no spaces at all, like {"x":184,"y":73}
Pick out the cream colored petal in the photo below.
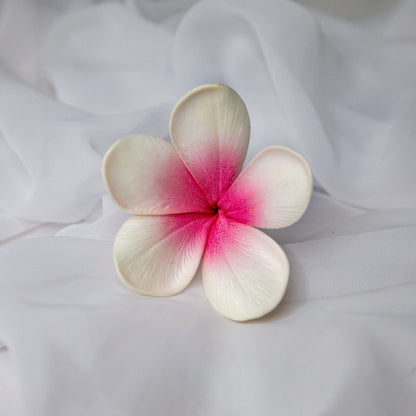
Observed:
{"x":273,"y":191}
{"x":210,"y":129}
{"x":244,"y":272}
{"x":159,"y":255}
{"x":145,"y":175}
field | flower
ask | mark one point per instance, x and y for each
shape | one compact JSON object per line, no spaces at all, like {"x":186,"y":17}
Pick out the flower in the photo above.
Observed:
{"x":193,"y":206}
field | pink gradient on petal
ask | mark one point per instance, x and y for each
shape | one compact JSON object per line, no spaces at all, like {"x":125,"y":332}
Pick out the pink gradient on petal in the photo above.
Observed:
{"x":243,"y":202}
{"x":184,"y":229}
{"x":223,"y":230}
{"x":177,"y":187}
{"x":215,"y":170}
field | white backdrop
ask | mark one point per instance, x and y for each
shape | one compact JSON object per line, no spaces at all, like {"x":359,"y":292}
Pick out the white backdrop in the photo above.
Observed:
{"x":335,"y":81}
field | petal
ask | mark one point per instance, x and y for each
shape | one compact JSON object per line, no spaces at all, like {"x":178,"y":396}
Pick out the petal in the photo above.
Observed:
{"x":159,"y":255}
{"x":273,"y":191}
{"x":244,"y":272}
{"x":145,"y":175}
{"x":210,"y":129}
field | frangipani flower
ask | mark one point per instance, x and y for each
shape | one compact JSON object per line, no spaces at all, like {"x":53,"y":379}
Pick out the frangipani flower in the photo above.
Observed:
{"x":193,"y":206}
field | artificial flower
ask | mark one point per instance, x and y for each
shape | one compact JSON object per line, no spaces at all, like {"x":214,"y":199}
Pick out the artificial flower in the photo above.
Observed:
{"x":192,"y":205}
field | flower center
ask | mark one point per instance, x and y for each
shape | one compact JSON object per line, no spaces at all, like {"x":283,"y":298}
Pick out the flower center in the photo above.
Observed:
{"x":217,"y":210}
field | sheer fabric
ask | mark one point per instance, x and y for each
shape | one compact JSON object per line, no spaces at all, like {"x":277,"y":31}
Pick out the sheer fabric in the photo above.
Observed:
{"x":335,"y":82}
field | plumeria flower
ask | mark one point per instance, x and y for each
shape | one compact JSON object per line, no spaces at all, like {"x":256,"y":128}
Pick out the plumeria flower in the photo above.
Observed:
{"x":192,"y":205}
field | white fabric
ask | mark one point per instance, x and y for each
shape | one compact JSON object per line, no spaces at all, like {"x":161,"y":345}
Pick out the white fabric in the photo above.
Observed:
{"x":335,"y":81}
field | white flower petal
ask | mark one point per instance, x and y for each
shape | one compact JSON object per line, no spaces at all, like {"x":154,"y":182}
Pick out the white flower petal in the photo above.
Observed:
{"x":145,"y":175}
{"x":273,"y":191}
{"x":210,"y":129}
{"x":244,"y":272}
{"x":159,"y":255}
